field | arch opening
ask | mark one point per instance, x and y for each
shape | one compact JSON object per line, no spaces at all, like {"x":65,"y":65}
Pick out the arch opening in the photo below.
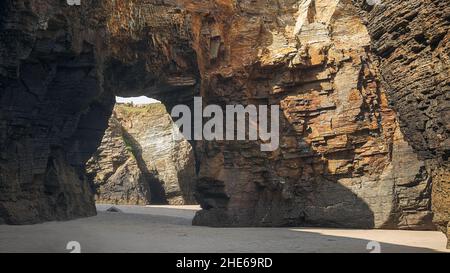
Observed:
{"x":139,"y":160}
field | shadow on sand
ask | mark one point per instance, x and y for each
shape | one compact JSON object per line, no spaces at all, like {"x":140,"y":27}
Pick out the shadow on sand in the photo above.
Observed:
{"x":128,"y":232}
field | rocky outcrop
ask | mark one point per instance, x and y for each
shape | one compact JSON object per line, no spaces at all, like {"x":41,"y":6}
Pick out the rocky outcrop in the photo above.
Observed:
{"x":341,"y":147}
{"x":140,"y":162}
{"x":351,"y":151}
{"x":58,"y":77}
{"x":412,"y":41}
{"x":52,"y":111}
{"x":115,"y":172}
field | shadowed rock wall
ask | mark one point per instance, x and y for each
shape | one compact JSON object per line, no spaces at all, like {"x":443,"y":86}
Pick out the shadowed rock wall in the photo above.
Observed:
{"x":49,"y":94}
{"x":412,"y":40}
{"x":58,"y":77}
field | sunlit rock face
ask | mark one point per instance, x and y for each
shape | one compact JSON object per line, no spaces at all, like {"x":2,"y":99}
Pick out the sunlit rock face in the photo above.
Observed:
{"x":140,"y":162}
{"x":341,"y":145}
{"x":344,"y":159}
{"x":115,"y":172}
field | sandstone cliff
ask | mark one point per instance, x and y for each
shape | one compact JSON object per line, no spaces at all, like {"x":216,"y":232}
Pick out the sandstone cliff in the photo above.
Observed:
{"x":139,"y":162}
{"x":341,"y":147}
{"x":363,"y":91}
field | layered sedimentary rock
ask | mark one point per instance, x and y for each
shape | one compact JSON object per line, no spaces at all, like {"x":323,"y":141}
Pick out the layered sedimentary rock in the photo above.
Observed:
{"x":344,"y":158}
{"x":50,"y":98}
{"x":59,"y":71}
{"x":412,"y":40}
{"x":115,"y":172}
{"x":140,"y":161}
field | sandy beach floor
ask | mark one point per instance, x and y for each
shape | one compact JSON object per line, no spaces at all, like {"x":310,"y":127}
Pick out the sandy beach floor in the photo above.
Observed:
{"x":169,"y":229}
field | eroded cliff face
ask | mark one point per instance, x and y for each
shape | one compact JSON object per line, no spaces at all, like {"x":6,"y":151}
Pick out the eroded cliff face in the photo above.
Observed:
{"x":140,"y":162}
{"x":412,"y":41}
{"x":59,"y":68}
{"x":341,"y":147}
{"x":343,"y":160}
{"x":50,"y":99}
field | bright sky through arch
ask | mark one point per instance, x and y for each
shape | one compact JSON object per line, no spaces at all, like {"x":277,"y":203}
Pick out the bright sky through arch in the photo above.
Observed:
{"x":137,"y":100}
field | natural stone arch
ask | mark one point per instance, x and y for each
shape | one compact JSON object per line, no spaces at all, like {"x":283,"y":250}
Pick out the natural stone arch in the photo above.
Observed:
{"x":328,"y":169}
